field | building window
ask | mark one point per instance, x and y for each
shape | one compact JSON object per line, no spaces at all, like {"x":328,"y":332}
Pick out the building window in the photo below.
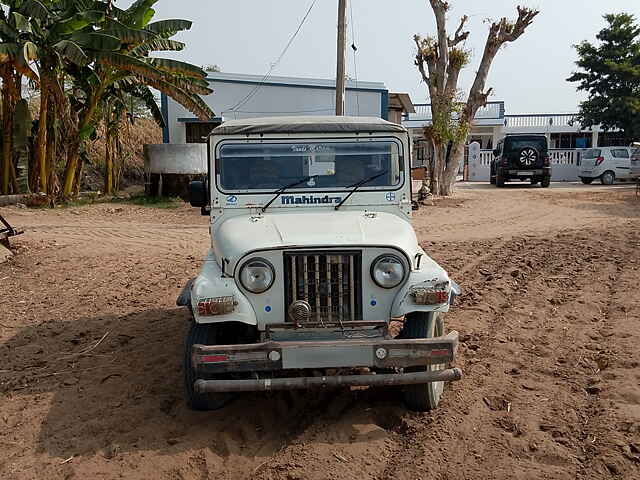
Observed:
{"x":197,"y":132}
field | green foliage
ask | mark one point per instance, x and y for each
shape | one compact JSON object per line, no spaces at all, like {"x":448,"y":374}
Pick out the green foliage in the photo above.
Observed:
{"x":609,"y":72}
{"x":93,"y":63}
{"x":154,"y":202}
{"x":447,"y":125}
{"x":459,"y":58}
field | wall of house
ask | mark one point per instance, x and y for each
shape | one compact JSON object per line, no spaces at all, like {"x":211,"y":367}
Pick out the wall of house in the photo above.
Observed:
{"x":237,"y":96}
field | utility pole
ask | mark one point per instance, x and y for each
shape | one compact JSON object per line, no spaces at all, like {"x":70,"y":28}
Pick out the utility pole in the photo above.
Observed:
{"x":342,"y":57}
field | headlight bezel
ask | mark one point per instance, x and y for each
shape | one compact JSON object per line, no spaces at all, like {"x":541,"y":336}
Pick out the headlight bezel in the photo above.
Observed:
{"x":267,"y":264}
{"x":395,"y":257}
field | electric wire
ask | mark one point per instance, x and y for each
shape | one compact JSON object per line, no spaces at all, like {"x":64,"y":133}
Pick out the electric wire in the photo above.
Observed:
{"x":255,"y":90}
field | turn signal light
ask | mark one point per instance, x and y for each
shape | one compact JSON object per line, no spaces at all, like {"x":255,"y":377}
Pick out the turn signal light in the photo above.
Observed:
{"x":426,"y":296}
{"x":216,"y":306}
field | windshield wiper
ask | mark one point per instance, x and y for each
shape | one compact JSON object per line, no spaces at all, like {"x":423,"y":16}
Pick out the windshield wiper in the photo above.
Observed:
{"x":284,"y":188}
{"x":356,"y":186}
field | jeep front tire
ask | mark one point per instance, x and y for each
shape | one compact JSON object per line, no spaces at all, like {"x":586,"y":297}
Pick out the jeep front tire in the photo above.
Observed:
{"x":202,"y":335}
{"x":426,"y":396}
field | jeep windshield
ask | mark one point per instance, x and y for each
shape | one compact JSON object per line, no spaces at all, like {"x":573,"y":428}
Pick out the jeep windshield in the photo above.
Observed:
{"x":515,"y":144}
{"x":330,"y":165}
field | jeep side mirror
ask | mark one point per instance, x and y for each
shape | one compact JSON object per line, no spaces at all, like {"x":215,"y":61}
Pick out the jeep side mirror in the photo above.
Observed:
{"x":198,"y":194}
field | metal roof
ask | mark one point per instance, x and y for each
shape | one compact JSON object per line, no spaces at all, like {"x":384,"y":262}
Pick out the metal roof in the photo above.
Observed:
{"x":307,"y":124}
{"x":292,"y":81}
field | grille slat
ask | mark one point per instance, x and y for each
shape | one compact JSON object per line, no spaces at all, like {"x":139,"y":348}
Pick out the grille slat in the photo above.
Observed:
{"x":294,"y":293}
{"x":352,"y":298}
{"x":329,"y":281}
{"x":340,"y":289}
{"x":317,"y":287}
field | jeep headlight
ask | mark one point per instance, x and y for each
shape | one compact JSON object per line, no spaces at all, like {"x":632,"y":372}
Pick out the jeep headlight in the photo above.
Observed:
{"x":388,"y":271}
{"x":257,"y":275}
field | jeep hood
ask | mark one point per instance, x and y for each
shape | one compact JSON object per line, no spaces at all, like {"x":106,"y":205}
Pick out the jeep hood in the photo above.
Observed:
{"x":238,"y":236}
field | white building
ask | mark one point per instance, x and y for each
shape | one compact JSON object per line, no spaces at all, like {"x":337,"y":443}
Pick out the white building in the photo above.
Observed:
{"x":565,"y":136}
{"x":244,"y":96}
{"x":492,"y":122}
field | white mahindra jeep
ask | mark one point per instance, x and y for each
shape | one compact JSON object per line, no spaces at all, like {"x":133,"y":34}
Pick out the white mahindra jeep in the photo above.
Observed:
{"x":315,"y":277}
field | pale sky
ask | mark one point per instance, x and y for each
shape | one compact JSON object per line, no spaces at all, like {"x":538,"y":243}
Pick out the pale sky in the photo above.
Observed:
{"x":246,"y":36}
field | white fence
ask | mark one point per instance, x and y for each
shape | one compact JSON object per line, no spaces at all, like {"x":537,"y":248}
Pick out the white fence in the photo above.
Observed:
{"x":492,"y":110}
{"x":557,"y":120}
{"x":564,"y":165}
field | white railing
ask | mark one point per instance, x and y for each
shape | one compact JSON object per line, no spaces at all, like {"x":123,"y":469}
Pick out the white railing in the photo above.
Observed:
{"x":493,"y":110}
{"x":558,"y":156}
{"x":564,"y":165}
{"x":551,"y":120}
{"x":485,"y":157}
{"x":564,"y":157}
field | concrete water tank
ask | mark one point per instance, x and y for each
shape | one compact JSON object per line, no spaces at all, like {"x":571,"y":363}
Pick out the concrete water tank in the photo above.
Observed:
{"x":170,"y":167}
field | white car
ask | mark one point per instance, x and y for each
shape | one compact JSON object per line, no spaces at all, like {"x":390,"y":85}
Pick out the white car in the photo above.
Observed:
{"x":605,"y":163}
{"x":313,"y":256}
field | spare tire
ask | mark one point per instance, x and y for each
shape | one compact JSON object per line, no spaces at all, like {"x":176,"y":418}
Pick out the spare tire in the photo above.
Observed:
{"x":528,"y":157}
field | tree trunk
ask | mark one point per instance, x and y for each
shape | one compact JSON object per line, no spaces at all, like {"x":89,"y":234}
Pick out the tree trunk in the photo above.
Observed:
{"x":73,"y":157}
{"x":456,"y":158}
{"x":108,"y":165}
{"x":439,"y":154}
{"x":41,"y":139}
{"x":8,"y":104}
{"x":52,"y":143}
{"x":6,"y":145}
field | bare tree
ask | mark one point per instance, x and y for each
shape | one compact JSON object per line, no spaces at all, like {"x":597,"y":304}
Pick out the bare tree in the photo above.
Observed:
{"x":440,"y":59}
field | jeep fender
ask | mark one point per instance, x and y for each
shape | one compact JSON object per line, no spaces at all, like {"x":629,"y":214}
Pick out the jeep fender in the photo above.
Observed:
{"x":211,"y":283}
{"x":430,"y":275}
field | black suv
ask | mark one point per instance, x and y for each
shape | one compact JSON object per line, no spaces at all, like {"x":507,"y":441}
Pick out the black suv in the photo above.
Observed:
{"x":521,"y":157}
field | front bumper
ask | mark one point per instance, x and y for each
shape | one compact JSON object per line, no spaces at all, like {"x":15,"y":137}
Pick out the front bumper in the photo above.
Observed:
{"x":291,"y":356}
{"x":267,"y":384}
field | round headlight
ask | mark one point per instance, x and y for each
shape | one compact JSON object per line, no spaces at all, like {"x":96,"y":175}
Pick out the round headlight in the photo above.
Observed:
{"x":257,"y":275}
{"x":387,"y":271}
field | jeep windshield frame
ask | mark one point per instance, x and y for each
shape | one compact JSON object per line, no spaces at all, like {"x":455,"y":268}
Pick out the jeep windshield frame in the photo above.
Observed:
{"x":334,"y":164}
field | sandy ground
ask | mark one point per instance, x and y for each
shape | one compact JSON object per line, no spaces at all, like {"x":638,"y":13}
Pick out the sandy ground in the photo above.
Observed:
{"x":90,"y":352}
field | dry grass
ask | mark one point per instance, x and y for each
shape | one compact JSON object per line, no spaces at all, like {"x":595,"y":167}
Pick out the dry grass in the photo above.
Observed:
{"x":133,"y":137}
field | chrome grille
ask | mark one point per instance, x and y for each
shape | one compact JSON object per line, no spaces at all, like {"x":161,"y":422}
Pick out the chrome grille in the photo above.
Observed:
{"x":331,"y":282}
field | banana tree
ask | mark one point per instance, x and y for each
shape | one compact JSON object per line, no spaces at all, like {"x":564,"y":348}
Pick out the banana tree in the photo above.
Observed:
{"x":130,"y":69}
{"x":16,"y":52}
{"x":64,"y":34}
